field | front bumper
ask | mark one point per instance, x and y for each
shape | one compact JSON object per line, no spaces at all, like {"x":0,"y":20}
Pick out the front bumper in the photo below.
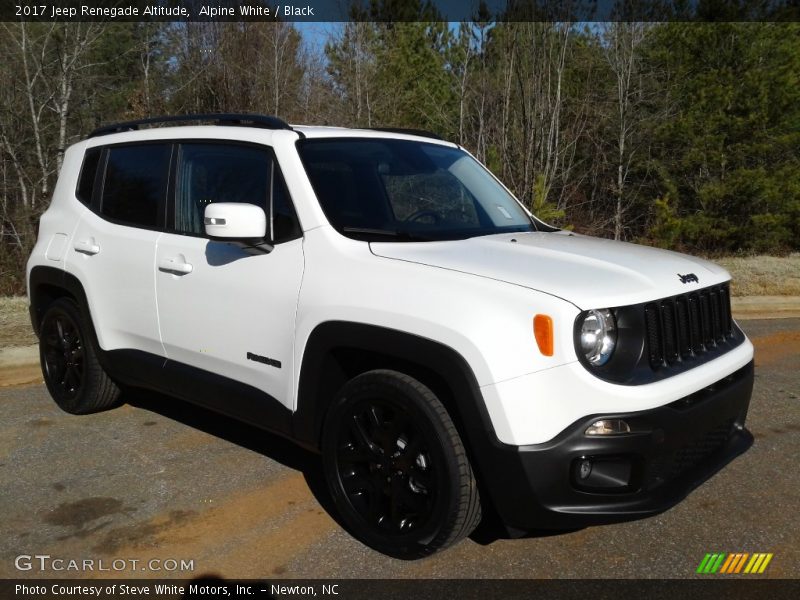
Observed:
{"x":672,"y":449}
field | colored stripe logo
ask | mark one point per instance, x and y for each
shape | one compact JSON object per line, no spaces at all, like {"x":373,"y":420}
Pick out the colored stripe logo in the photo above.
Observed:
{"x":735,"y":562}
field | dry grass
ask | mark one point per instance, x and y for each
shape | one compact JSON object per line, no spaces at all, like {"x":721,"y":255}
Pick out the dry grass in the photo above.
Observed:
{"x":15,"y":324}
{"x":763,"y":275}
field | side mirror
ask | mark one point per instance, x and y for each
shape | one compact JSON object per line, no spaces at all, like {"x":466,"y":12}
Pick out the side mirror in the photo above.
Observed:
{"x":245,"y":224}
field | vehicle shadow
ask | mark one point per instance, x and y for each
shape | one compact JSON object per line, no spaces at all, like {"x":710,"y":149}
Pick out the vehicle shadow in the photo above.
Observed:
{"x":268,"y":444}
{"x":291,"y":455}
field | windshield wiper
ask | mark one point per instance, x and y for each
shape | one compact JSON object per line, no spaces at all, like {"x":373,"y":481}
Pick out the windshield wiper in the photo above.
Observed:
{"x":393,"y":233}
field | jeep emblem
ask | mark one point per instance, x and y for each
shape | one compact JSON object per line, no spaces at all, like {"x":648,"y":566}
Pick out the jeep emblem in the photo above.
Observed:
{"x":688,"y":278}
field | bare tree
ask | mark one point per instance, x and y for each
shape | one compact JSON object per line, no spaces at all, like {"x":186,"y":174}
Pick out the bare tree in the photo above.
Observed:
{"x":623,"y":44}
{"x":51,"y":57}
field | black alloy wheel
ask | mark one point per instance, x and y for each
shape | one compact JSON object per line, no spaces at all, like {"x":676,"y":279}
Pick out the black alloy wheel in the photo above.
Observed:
{"x":63,"y":354}
{"x":72,"y":372}
{"x":396,"y":467}
{"x":385,"y":466}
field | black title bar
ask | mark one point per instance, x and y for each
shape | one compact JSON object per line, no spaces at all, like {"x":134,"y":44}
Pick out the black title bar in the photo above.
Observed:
{"x":715,"y":587}
{"x":393,"y":11}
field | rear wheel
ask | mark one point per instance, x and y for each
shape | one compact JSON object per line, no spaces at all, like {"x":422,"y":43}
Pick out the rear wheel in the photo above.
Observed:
{"x":396,"y":467}
{"x":72,"y":373}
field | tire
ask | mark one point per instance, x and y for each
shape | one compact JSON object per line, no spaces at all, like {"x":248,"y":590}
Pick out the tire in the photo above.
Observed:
{"x":396,"y":468}
{"x":67,"y":353}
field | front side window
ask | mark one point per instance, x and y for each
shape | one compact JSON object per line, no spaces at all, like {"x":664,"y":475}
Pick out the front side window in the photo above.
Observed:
{"x":209,"y":173}
{"x":135,"y":184}
{"x":385,"y":189}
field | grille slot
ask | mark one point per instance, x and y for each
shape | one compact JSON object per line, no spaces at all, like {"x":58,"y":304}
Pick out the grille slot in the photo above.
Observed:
{"x":670,"y":331}
{"x":725,"y":303}
{"x":687,"y":325}
{"x":684,"y":330}
{"x":653,"y":324}
{"x":705,"y":321}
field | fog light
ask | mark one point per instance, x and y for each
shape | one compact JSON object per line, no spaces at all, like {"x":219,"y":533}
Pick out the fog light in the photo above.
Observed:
{"x":608,"y":427}
{"x":603,"y":473}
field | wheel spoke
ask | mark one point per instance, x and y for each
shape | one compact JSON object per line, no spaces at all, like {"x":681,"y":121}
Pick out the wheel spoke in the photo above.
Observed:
{"x":423,"y":476}
{"x":374,"y":419}
{"x":398,"y":425}
{"x":395,"y":492}
{"x":77,"y":354}
{"x":51,"y":340}
{"x":352,"y":453}
{"x":66,"y":377}
{"x":356,"y":482}
{"x":55,"y":365}
{"x":77,"y":375}
{"x":375,"y":506}
{"x":60,"y":329}
{"x":413,"y":447}
{"x":413,"y":500}
{"x":363,"y":437}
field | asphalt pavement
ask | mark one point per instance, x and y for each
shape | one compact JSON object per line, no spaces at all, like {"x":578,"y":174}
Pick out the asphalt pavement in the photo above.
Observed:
{"x":160,"y":480}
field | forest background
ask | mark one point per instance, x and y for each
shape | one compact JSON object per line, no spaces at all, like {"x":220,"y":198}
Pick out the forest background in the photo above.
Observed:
{"x":682,"y":135}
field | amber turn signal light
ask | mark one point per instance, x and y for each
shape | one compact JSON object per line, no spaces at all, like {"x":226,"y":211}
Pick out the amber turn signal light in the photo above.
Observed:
{"x":543,"y":331}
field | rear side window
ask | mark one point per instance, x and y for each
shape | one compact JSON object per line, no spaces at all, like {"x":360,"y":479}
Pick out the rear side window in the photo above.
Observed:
{"x":135,"y":184}
{"x":88,"y":173}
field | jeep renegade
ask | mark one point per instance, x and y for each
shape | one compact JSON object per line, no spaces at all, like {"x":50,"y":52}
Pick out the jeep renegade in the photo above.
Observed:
{"x":380,"y":297}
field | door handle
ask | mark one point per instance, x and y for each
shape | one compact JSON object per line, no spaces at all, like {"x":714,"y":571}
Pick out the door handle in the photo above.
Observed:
{"x":177,"y":265}
{"x":87,"y":246}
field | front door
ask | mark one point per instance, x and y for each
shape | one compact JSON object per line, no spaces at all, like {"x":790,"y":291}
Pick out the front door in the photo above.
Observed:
{"x":223,"y":310}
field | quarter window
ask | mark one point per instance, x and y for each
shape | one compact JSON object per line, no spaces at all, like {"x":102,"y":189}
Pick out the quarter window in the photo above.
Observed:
{"x":285,"y":225}
{"x":88,"y":174}
{"x":135,"y":184}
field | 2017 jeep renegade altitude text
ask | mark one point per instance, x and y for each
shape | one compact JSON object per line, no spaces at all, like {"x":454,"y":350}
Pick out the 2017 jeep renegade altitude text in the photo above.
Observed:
{"x":380,"y":297}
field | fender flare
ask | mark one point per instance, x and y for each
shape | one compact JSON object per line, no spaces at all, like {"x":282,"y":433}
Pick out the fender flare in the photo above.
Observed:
{"x":41,"y":280}
{"x":433,"y":357}
{"x":492,"y":460}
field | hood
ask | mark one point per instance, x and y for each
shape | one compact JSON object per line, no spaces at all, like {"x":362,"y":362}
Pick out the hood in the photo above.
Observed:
{"x":589,"y":272}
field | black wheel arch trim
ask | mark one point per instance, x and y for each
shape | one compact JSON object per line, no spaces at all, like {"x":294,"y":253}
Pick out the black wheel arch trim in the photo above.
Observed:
{"x":496,"y":474}
{"x":314,"y":395}
{"x":41,"y":280}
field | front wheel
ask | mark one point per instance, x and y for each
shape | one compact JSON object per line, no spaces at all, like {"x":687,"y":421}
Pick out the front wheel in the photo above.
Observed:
{"x":72,"y":373}
{"x":396,"y":467}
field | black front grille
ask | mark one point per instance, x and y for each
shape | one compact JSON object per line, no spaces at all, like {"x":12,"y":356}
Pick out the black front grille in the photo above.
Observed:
{"x":687,"y":325}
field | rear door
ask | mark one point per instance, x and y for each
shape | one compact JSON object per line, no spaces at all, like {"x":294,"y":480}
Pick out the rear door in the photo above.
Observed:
{"x":222,"y":310}
{"x":113,"y":249}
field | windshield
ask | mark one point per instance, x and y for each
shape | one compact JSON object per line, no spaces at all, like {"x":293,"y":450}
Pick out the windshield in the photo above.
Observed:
{"x":399,"y":190}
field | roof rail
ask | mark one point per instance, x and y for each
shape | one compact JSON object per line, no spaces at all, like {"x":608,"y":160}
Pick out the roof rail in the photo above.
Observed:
{"x":419,"y":132}
{"x":243,"y":119}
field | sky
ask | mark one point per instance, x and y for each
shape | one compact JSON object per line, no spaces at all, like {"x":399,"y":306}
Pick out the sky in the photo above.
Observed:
{"x":316,"y":34}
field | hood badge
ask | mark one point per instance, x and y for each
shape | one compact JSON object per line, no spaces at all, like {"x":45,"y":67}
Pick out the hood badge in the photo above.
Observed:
{"x":688,"y":278}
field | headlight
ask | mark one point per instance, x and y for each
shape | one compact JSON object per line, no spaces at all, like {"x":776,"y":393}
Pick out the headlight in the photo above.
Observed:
{"x":598,"y":336}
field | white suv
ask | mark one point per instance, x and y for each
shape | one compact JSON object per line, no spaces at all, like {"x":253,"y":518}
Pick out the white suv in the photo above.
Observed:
{"x":380,"y":297}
